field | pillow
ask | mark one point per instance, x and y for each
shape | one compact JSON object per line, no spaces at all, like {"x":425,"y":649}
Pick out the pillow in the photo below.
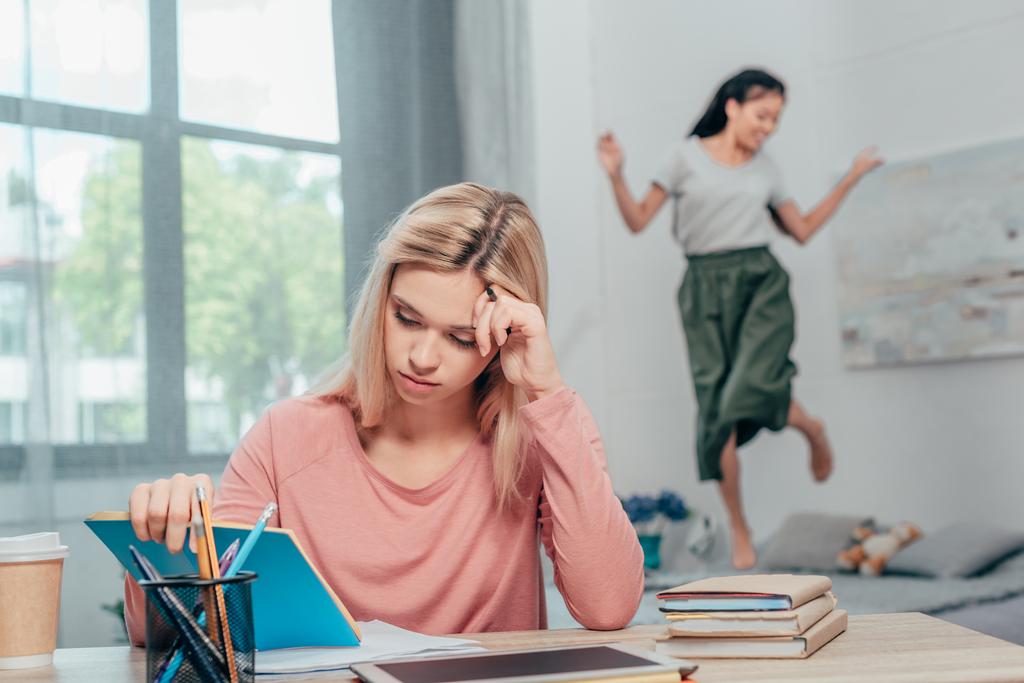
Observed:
{"x":811,"y":540}
{"x":959,"y":550}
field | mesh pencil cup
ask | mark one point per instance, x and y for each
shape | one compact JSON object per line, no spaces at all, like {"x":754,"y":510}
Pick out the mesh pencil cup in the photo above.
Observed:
{"x":180,"y":640}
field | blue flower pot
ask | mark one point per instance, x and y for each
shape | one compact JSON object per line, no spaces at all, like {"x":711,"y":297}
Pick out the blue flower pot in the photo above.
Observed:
{"x":651,"y":545}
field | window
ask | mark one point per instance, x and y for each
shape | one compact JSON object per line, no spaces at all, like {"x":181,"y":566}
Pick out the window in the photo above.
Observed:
{"x":110,"y":421}
{"x":264,"y":311}
{"x":90,"y":53}
{"x":12,"y":421}
{"x":12,"y":48}
{"x":169,"y":264}
{"x":13,"y":319}
{"x":240,"y":66}
{"x":76,"y":253}
{"x":15,"y":202}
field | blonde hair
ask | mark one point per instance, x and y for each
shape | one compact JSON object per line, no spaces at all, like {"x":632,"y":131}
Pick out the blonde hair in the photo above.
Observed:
{"x":464,"y":226}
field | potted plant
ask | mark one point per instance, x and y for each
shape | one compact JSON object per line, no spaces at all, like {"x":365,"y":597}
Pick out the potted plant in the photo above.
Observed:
{"x":649,"y":516}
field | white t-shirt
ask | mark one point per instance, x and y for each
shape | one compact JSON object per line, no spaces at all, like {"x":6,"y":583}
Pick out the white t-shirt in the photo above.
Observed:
{"x":719,"y":207}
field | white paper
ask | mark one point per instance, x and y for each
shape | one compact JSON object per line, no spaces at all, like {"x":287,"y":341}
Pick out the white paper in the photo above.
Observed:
{"x":380,"y":641}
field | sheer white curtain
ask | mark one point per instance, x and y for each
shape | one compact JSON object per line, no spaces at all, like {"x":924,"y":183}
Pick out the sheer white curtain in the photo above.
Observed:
{"x":177,"y":238}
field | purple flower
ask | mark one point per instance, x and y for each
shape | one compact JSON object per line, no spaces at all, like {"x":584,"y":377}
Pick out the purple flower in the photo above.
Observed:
{"x":642,"y":508}
{"x":672,"y":506}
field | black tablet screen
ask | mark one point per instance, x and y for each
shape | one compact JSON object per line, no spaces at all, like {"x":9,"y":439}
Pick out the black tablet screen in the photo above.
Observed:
{"x":516,"y":664}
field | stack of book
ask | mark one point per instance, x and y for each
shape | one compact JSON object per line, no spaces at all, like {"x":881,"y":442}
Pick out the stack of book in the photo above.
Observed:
{"x":785,"y":616}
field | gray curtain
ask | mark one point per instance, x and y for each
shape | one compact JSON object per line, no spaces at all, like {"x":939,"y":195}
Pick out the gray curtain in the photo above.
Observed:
{"x":492,"y":67}
{"x":399,"y":119}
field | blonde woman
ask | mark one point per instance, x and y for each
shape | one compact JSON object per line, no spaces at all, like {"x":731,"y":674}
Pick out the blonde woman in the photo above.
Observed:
{"x":424,"y":472}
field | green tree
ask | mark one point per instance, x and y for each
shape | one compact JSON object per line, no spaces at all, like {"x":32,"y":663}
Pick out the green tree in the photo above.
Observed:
{"x":100,"y":285}
{"x":263,"y":269}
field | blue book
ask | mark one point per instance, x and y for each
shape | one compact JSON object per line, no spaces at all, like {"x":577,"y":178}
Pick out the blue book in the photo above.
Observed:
{"x":724,"y":605}
{"x":292,"y":604}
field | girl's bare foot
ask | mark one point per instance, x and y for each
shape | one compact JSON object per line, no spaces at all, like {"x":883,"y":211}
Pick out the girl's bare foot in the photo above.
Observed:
{"x":743,"y":554}
{"x":821,"y":451}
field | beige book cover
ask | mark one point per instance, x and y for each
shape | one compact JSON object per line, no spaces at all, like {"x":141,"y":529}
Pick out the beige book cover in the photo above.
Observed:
{"x":785,"y":647}
{"x":792,"y":589}
{"x":751,"y":624}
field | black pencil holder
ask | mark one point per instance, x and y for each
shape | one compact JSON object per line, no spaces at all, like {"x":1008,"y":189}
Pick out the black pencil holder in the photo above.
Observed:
{"x":180,"y":640}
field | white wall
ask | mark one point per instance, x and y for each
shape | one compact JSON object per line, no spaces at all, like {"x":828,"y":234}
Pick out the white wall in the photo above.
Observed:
{"x":930,"y":443}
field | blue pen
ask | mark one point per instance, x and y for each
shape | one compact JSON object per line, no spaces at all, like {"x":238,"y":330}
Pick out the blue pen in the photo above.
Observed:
{"x":250,"y":540}
{"x":236,"y":566}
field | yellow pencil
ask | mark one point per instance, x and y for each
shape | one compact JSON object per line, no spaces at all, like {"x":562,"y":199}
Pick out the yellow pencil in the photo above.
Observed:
{"x":205,"y":573}
{"x":211,"y":555}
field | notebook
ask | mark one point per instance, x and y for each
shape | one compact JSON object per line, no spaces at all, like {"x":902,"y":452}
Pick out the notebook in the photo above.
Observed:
{"x":745,"y":593}
{"x":380,"y":641}
{"x":785,"y":647}
{"x":292,"y":604}
{"x":765,"y":623}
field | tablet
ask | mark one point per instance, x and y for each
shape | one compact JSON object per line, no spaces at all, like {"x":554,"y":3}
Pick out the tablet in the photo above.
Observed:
{"x":583,"y":662}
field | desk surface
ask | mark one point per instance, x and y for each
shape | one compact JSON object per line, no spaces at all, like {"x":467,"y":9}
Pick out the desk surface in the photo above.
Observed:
{"x":880,"y":647}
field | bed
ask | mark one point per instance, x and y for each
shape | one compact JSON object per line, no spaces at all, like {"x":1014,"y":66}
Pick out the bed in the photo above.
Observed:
{"x":992,"y":603}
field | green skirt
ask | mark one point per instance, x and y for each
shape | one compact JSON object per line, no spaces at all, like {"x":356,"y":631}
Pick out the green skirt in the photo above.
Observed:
{"x":739,"y":325}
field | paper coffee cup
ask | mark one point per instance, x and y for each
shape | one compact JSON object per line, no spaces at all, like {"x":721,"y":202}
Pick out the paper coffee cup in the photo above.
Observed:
{"x":30,"y":574}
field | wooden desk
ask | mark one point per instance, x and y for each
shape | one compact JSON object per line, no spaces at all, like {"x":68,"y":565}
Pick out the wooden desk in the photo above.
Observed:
{"x":908,"y":648}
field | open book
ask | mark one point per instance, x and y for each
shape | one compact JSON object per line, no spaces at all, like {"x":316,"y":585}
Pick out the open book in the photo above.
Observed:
{"x":292,"y":604}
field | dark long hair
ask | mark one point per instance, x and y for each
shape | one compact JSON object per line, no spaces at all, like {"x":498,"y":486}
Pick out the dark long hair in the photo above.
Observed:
{"x":747,"y":84}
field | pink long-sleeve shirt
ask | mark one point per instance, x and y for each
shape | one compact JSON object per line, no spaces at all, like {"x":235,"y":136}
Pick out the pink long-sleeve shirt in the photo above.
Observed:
{"x":442,"y":558}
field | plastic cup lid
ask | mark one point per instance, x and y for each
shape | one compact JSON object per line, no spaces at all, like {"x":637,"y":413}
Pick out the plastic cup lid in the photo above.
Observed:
{"x":32,"y":547}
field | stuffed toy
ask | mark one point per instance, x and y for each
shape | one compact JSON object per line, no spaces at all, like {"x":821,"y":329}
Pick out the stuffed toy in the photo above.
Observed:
{"x":872,"y":549}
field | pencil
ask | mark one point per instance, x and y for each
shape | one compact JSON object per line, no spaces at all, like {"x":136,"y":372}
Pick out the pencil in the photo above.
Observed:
{"x":211,"y":556}
{"x":206,"y":573}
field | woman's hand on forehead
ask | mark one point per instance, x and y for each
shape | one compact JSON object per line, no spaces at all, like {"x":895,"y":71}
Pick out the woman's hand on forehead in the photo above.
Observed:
{"x":519,"y":331}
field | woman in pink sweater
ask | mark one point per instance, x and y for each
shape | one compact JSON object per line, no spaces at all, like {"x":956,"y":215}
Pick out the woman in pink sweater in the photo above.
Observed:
{"x":422,"y":474}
